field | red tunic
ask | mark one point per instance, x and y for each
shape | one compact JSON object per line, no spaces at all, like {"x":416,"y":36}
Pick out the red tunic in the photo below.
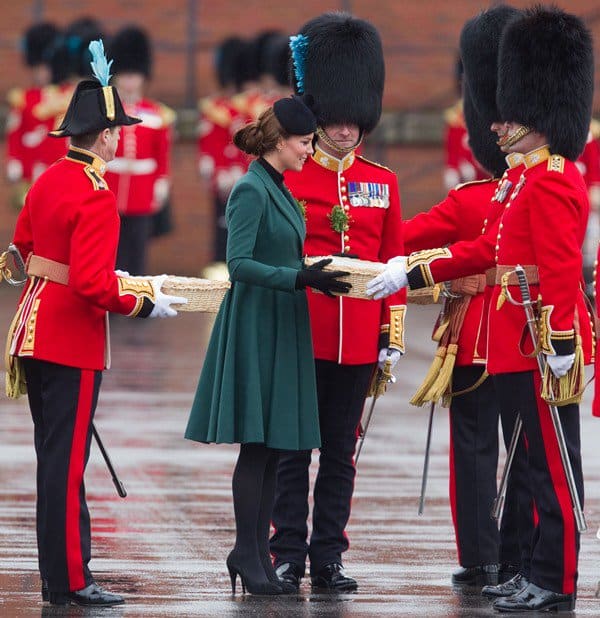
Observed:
{"x":346,"y":330}
{"x":70,"y":217}
{"x":460,"y":216}
{"x":220,"y":162}
{"x":596,"y":402}
{"x":542,"y":224}
{"x":461,"y":165}
{"x":142,"y":158}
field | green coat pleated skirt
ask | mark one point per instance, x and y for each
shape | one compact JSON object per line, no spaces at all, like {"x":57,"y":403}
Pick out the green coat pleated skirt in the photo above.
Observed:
{"x":258,"y":379}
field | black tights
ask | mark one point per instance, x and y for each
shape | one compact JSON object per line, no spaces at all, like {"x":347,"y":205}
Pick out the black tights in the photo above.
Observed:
{"x":253,"y":495}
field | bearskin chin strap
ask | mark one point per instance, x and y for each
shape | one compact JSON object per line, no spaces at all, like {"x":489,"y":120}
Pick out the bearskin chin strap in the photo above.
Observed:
{"x":342,"y":151}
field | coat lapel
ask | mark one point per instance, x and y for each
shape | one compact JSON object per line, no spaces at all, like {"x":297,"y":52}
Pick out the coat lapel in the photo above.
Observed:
{"x":285,"y":203}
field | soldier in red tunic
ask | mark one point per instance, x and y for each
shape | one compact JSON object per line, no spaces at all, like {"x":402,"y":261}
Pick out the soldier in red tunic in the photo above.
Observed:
{"x":545,"y":95}
{"x":139,"y":173}
{"x":58,"y":344}
{"x":220,"y":163}
{"x":460,"y":165}
{"x":458,"y":372}
{"x":352,"y":207}
{"x":25,"y":130}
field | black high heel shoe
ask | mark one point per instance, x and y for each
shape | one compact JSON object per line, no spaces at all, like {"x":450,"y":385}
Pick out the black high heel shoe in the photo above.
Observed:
{"x":253,"y":587}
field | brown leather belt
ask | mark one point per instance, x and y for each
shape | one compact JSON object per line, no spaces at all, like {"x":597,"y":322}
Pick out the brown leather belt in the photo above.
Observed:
{"x":468,"y":286}
{"x":57,"y":272}
{"x":493,"y":276}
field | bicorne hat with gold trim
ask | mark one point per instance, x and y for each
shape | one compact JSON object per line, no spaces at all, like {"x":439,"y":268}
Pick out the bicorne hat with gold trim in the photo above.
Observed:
{"x":94,"y":105}
{"x":546,"y":77}
{"x":338,"y":59}
{"x":479,"y":45}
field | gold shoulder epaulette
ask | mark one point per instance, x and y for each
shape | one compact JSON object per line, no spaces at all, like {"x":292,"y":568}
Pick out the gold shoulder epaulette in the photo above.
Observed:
{"x":482,"y":181}
{"x":215,"y":112}
{"x":167,"y":114}
{"x":16,"y":97}
{"x":556,"y":163}
{"x":240,"y":101}
{"x":362,"y":158}
{"x":97,"y":181}
{"x":595,"y":128}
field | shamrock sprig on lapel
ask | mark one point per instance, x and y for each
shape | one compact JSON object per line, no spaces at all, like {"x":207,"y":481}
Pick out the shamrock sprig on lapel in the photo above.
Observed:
{"x":302,"y":207}
{"x":340,"y":219}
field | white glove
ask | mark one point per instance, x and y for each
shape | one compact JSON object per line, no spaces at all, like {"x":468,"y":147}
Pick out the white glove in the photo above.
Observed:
{"x":162,"y":304}
{"x":160,"y":192}
{"x":122,"y":273}
{"x":560,"y":364}
{"x":392,"y":279}
{"x":388,"y":353}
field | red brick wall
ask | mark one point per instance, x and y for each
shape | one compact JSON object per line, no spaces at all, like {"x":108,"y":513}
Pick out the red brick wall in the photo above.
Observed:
{"x":419,"y":37}
{"x":419,"y":43}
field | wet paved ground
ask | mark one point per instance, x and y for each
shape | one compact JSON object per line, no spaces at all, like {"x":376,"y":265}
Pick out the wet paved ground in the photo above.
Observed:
{"x":164,"y":546}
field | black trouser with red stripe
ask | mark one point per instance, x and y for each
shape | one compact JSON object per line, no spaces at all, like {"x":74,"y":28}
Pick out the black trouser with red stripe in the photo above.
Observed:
{"x":341,"y":392}
{"x":555,"y":542}
{"x":473,"y":465}
{"x":62,"y":402}
{"x":517,"y":524}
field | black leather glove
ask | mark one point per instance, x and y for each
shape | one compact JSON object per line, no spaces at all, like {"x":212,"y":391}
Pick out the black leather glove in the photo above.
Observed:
{"x":315,"y":277}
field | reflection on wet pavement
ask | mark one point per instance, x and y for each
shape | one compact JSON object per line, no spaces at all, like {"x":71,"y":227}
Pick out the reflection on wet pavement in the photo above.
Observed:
{"x":164,"y":546}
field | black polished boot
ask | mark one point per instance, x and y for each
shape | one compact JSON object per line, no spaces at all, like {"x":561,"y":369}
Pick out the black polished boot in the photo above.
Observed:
{"x":482,"y":575}
{"x":90,"y":596}
{"x":507,"y":589}
{"x":535,"y":599}
{"x":290,"y":575}
{"x":333,"y":577}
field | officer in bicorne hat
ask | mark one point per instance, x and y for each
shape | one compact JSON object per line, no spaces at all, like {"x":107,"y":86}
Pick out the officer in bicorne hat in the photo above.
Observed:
{"x":352,"y":207}
{"x":57,"y":347}
{"x":139,"y":175}
{"x":545,"y":92}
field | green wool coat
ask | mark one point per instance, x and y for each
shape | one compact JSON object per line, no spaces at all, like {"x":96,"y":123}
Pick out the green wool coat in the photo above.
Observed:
{"x":258,"y":379}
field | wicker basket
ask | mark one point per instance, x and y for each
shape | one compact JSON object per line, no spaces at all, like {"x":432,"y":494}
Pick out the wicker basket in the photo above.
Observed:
{"x":424,"y":296}
{"x":202,"y":294}
{"x":361,"y":272}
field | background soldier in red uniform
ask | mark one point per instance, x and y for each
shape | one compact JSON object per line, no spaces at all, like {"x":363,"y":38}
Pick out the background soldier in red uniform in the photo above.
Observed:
{"x":545,"y":93}
{"x":352,"y":207}
{"x":460,"y":165}
{"x":69,"y":228}
{"x":464,"y":215}
{"x":139,"y":173}
{"x":220,"y":163}
{"x":25,"y":131}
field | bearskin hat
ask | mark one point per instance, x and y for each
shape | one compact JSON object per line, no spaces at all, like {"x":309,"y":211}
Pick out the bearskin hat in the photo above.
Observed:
{"x":546,"y":77}
{"x":70,"y":56}
{"x":227,"y":61}
{"x":479,"y":43}
{"x":37,"y":43}
{"x":338,"y":59}
{"x":131,"y":51}
{"x":278,"y":59}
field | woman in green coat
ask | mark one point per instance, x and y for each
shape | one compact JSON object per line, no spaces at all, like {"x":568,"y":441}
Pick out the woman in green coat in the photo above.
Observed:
{"x":257,"y":386}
